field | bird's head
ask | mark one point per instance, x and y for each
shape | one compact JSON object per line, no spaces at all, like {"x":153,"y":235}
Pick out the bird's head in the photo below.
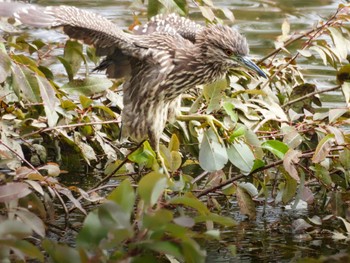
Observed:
{"x":227,"y":48}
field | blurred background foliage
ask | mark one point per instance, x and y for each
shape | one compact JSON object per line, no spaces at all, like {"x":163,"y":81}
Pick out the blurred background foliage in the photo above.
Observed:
{"x":274,"y":145}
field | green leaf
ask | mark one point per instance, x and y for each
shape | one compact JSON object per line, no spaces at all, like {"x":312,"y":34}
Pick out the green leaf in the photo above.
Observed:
{"x":68,"y":105}
{"x":87,"y":87}
{"x":191,"y":201}
{"x":144,"y":156}
{"x":67,"y":67}
{"x":153,"y":8}
{"x":32,"y":220}
{"x":323,"y":148}
{"x":151,"y":187}
{"x":85,"y":101}
{"x":241,"y":156}
{"x":192,"y":251}
{"x":5,"y":66}
{"x":238,"y":132}
{"x":229,"y":109}
{"x":73,"y":54}
{"x":339,"y":42}
{"x":322,"y":174}
{"x":207,"y":12}
{"x":61,"y":253}
{"x":321,"y":53}
{"x":171,"y":6}
{"x":124,"y":196}
{"x":289,"y":189}
{"x":334,"y":114}
{"x":158,"y":219}
{"x":222,"y":220}
{"x":48,"y":95}
{"x":114,"y":218}
{"x":258,"y":164}
{"x":212,"y":154}
{"x":291,"y":137}
{"x":344,"y":157}
{"x":174,"y":144}
{"x":24,"y":84}
{"x":276,"y":147}
{"x":163,"y":247}
{"x":253,"y":140}
{"x":14,"y":229}
{"x":213,"y":93}
{"x":92,"y":232}
{"x":24,"y":247}
{"x":175,"y":161}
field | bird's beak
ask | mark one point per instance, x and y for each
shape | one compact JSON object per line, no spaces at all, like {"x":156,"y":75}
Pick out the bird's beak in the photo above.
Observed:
{"x":247,"y":63}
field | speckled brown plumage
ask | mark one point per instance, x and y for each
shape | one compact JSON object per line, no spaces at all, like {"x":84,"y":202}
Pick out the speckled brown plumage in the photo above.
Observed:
{"x":160,"y":60}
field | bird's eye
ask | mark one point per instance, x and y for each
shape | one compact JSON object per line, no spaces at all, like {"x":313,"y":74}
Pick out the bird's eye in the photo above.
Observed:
{"x":229,"y":52}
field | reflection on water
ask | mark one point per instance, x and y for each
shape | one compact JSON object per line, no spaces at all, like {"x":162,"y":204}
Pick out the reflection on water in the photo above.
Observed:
{"x":270,"y":237}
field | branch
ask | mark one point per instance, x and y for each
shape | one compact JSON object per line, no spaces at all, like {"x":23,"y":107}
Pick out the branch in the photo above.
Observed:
{"x":19,"y":157}
{"x":310,"y":95}
{"x":70,"y":126}
{"x":231,"y":180}
{"x":292,"y":40}
{"x":106,"y":178}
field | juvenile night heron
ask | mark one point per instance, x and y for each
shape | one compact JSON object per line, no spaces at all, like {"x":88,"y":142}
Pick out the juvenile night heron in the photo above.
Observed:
{"x":159,"y":61}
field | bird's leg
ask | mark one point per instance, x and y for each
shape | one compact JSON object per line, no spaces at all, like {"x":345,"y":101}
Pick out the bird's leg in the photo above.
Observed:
{"x":160,"y":160}
{"x":210,"y":120}
{"x":159,"y":157}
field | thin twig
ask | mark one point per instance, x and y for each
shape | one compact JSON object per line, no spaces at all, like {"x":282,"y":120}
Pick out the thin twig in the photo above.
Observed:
{"x":19,"y":157}
{"x":292,"y":40}
{"x":68,"y":126}
{"x":106,"y":178}
{"x":310,"y":95}
{"x":231,"y":180}
{"x":63,"y":204}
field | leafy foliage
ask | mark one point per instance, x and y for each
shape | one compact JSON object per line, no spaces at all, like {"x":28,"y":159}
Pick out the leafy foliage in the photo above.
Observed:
{"x":268,"y":138}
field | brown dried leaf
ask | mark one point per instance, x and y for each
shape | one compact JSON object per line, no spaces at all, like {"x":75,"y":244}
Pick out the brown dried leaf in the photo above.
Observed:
{"x":290,"y":159}
{"x":245,"y":203}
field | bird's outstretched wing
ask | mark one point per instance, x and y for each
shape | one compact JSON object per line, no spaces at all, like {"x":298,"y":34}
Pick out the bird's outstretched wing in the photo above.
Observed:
{"x":172,"y":24}
{"x":150,"y":43}
{"x":77,"y":24}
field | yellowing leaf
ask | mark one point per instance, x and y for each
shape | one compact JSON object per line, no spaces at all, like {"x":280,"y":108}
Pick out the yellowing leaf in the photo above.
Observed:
{"x":323,"y":148}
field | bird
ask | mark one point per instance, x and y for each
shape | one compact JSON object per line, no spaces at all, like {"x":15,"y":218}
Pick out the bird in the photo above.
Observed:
{"x":160,"y":60}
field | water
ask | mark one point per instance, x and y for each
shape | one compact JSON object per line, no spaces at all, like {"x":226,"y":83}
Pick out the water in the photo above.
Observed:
{"x":270,"y":237}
